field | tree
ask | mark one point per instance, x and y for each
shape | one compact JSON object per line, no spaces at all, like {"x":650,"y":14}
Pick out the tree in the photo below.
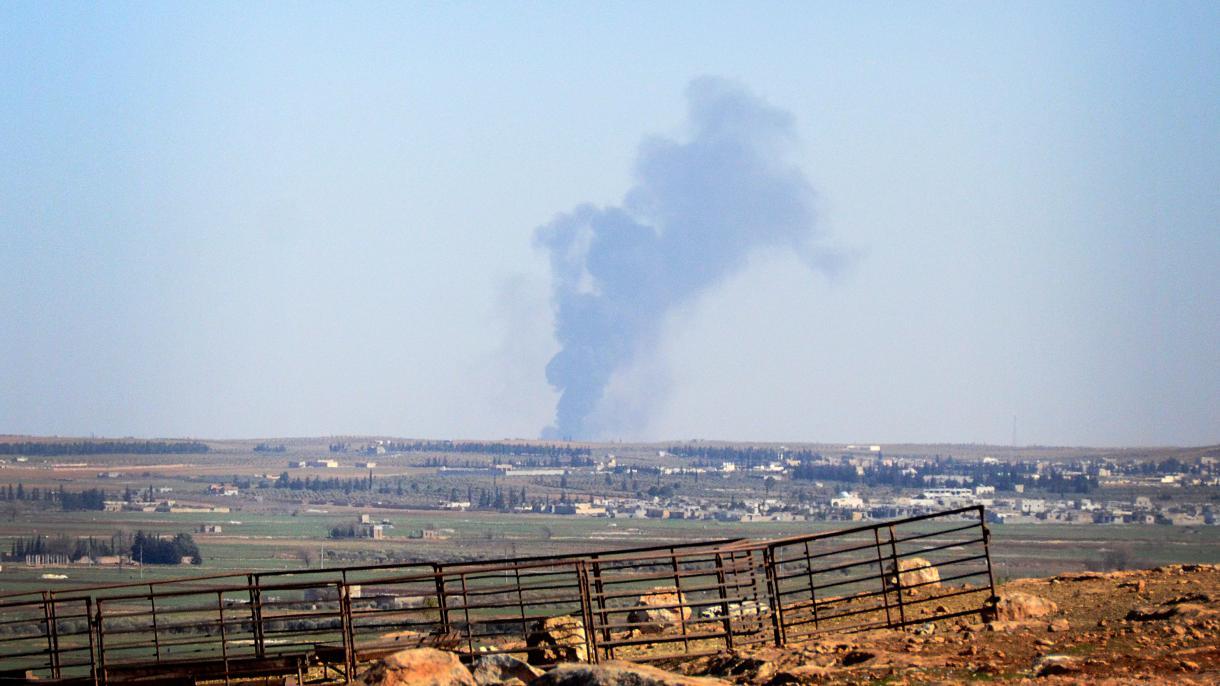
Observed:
{"x":151,"y":549}
{"x":305,"y":555}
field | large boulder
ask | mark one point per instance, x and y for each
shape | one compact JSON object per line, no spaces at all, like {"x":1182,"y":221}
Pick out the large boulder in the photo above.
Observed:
{"x":655,"y":610}
{"x":1016,"y":606}
{"x":916,"y":571}
{"x":1168,"y":611}
{"x":498,"y":668}
{"x":1056,"y":665}
{"x":619,"y":673}
{"x":557,"y":639}
{"x":418,"y":667}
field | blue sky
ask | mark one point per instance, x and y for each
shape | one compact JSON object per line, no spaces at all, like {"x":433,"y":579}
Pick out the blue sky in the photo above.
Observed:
{"x":307,"y":219}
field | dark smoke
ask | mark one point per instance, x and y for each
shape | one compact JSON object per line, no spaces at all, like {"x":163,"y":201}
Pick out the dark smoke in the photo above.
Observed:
{"x":695,"y":213}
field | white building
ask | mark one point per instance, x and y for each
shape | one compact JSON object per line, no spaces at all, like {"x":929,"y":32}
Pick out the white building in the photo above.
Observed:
{"x":847,"y":501}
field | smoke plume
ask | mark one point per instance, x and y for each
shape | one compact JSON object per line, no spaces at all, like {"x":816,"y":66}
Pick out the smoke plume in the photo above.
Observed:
{"x":696,"y":211}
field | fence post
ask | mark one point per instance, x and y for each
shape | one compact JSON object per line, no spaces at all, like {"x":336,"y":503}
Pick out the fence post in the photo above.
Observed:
{"x":224,"y":647}
{"x":89,"y":625}
{"x":152,"y":606}
{"x":525,"y":637}
{"x":466,"y":613}
{"x":604,"y":617}
{"x":349,"y":632}
{"x":586,"y":611}
{"x":777,"y":610}
{"x":902,"y":615}
{"x":885,"y":584}
{"x":256,"y":612}
{"x":993,"y":599}
{"x":752,"y":574}
{"x":441,"y":602}
{"x":101,"y":643}
{"x":673,"y":559}
{"x":813,"y":596}
{"x":727,"y":621}
{"x":46,"y":624}
{"x":345,"y":635}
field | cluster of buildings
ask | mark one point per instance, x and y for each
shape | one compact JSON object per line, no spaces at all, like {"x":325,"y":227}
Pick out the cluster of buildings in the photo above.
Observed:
{"x":327,"y":463}
{"x":853,"y":506}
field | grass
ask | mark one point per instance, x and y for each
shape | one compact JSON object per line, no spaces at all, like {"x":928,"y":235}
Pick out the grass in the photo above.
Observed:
{"x":282,"y":541}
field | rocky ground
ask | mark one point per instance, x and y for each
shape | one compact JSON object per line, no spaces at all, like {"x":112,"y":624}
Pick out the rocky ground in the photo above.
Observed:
{"x":1152,"y":626}
{"x":1159,"y":626}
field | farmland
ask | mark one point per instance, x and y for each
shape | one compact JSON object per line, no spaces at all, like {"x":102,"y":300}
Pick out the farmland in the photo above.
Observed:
{"x":267,"y":526}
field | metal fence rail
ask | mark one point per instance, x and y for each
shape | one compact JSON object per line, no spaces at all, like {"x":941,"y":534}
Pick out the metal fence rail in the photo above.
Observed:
{"x":639,"y":604}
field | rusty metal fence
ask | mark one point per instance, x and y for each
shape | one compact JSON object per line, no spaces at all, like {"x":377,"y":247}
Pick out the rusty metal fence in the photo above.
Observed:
{"x":639,"y":604}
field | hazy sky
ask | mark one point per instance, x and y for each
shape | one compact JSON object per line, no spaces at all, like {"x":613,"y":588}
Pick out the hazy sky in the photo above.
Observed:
{"x":308,"y":219}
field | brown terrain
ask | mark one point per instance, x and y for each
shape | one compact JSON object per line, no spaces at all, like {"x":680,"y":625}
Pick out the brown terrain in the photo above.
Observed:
{"x":1158,"y":626}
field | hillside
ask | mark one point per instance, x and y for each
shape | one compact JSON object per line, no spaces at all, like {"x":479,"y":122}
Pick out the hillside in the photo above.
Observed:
{"x":1150,"y":626}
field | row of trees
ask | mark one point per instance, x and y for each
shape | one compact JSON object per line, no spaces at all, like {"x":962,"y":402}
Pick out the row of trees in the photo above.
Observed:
{"x":514,"y":449}
{"x":746,"y":456}
{"x":317,"y":483}
{"x":501,"y":499}
{"x":88,"y":499}
{"x":550,"y":461}
{"x":103,"y":448}
{"x":152,"y":549}
{"x":147,"y":548}
{"x":73,"y":548}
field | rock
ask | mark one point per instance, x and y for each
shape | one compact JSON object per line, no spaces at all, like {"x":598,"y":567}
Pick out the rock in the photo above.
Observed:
{"x":1183,"y":610}
{"x":1018,"y":607}
{"x":499,"y":668}
{"x":1191,"y":598}
{"x":748,"y":608}
{"x":1080,"y":576}
{"x":857,"y":657}
{"x":418,"y":667}
{"x":731,"y":664}
{"x":915,"y":571}
{"x":655,"y":611}
{"x":1052,"y":665}
{"x":1058,"y":625}
{"x":557,"y":639}
{"x":619,"y":673}
{"x":805,"y":674}
{"x":764,"y":672}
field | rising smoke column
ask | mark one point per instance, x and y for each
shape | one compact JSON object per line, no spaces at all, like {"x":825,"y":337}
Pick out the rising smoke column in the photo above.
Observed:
{"x":696,"y":211}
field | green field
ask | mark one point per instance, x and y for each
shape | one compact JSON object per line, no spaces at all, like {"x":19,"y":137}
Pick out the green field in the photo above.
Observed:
{"x":281,"y":541}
